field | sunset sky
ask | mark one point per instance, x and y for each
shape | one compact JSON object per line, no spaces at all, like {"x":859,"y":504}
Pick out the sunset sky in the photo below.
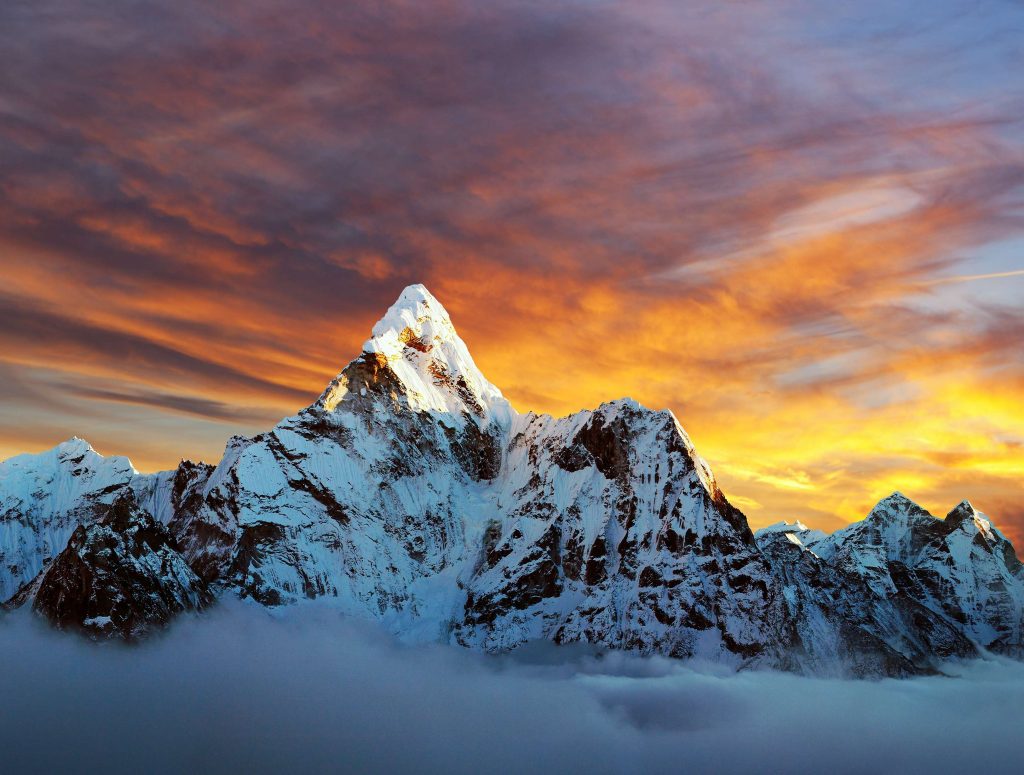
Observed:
{"x":798,"y":225}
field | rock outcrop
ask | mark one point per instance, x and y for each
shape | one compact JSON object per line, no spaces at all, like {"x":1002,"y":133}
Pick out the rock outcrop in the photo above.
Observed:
{"x":119,"y":576}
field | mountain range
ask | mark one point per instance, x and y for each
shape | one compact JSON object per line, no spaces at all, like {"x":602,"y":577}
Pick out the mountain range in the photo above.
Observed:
{"x":413,"y":494}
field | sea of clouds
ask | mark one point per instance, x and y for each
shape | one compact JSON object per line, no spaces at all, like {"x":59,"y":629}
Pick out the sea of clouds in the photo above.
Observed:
{"x":239,"y":691}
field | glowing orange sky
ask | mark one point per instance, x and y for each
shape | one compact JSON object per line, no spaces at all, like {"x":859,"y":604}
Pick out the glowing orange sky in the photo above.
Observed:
{"x":800,"y":232}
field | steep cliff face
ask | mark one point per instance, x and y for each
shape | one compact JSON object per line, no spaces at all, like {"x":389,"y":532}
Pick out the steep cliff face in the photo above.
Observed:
{"x":413,"y":494}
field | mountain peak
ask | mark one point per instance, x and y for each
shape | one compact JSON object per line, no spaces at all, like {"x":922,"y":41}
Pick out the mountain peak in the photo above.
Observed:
{"x":897,"y":498}
{"x":966,"y":515}
{"x":416,"y":345}
{"x":416,"y":320}
{"x":966,"y":506}
{"x":794,"y":532}
{"x":783,"y":527}
{"x":897,"y":503}
{"x":897,"y":513}
{"x":74,"y":446}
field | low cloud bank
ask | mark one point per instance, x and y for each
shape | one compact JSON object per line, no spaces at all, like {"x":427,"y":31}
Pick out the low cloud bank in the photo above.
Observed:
{"x":237,"y":690}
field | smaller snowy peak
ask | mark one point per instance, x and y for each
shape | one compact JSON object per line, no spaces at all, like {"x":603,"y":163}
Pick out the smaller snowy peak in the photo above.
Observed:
{"x":894,"y":505}
{"x":44,"y":496}
{"x":783,"y":527}
{"x":889,"y":526}
{"x":74,"y":446}
{"x":75,"y":456}
{"x":965,"y":517}
{"x":895,"y":515}
{"x":795,"y":532}
{"x":415,"y":350}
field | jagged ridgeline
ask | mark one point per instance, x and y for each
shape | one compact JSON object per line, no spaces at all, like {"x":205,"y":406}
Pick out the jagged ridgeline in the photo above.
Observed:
{"x":413,"y":494}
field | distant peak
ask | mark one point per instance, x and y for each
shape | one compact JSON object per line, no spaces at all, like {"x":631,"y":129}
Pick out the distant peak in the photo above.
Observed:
{"x":75,"y":445}
{"x":783,"y":527}
{"x":962,"y":512}
{"x":74,"y":455}
{"x":897,"y":501}
{"x":965,"y":514}
{"x":896,"y":497}
{"x":897,"y":507}
{"x":796,"y":533}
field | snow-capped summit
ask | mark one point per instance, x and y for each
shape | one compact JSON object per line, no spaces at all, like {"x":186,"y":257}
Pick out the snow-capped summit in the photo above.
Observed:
{"x":418,"y":358}
{"x":75,"y":445}
{"x":964,"y":516}
{"x":784,"y":527}
{"x":896,"y":506}
{"x":415,"y":309}
{"x":44,"y":496}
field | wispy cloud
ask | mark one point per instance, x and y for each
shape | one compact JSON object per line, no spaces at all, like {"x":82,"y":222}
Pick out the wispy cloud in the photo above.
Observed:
{"x":969,"y":278}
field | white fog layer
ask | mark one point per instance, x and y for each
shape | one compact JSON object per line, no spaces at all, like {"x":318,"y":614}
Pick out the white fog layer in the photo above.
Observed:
{"x":238,"y":690}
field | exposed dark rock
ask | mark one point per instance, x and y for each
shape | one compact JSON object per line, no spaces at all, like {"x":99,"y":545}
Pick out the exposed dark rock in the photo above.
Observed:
{"x":253,"y":544}
{"x":120,"y":576}
{"x":608,"y":444}
{"x":478,"y":452}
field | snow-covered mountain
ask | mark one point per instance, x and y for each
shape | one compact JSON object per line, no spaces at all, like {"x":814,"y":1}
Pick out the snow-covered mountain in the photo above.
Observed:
{"x":44,"y":497}
{"x":842,"y":624}
{"x":960,"y":567}
{"x":412,"y":493}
